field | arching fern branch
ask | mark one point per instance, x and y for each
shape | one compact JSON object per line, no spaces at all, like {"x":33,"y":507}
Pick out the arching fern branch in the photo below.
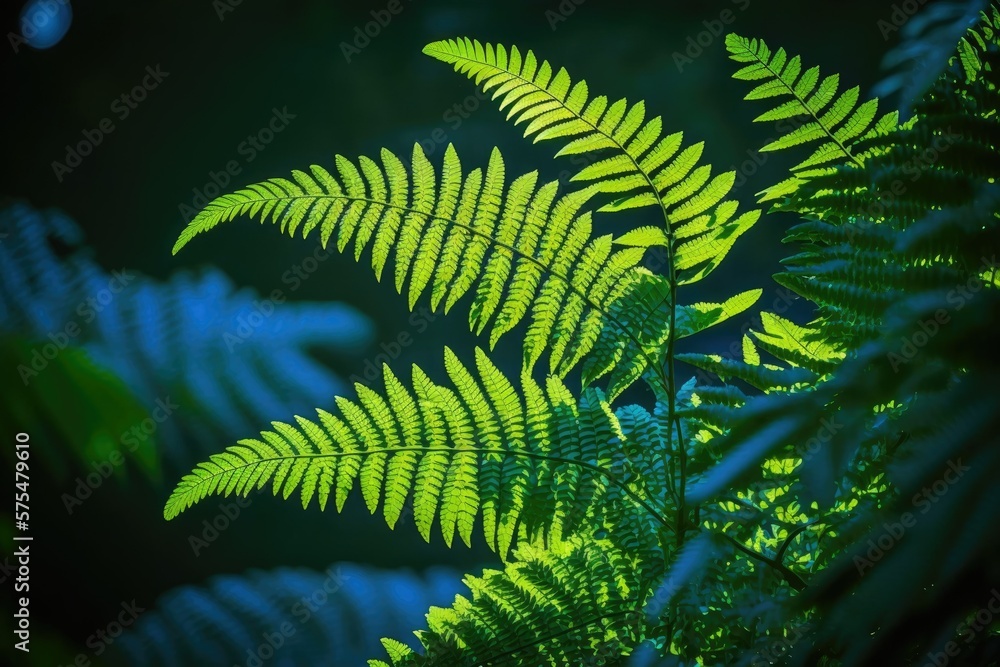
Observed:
{"x":517,"y":247}
{"x":533,"y":460}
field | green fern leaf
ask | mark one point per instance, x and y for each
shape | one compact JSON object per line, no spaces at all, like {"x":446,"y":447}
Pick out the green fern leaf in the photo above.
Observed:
{"x":816,"y":110}
{"x":578,"y":602}
{"x":478,"y":447}
{"x":517,"y":247}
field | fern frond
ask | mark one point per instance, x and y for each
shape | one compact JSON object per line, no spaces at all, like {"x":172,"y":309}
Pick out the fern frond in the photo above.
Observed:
{"x":517,"y":247}
{"x":530,"y":459}
{"x":818,"y":110}
{"x":576,"y":603}
{"x":926,"y":45}
{"x":644,"y":168}
{"x":182,"y":340}
{"x":974,"y":49}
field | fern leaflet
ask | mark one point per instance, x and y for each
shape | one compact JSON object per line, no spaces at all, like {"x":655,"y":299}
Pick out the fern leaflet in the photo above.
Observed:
{"x":821,"y":114}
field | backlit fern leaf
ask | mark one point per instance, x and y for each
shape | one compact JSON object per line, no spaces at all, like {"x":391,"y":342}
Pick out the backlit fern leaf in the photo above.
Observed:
{"x":644,"y":168}
{"x":974,"y":52}
{"x":816,"y":110}
{"x":525,"y":463}
{"x":645,"y":310}
{"x":516,"y":247}
{"x":545,"y":609}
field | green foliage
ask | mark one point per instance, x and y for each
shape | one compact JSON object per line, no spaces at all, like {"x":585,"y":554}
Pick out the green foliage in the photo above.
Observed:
{"x":645,"y":168}
{"x":542,"y":610}
{"x":816,"y":110}
{"x":452,"y":452}
{"x":724,"y":519}
{"x":74,"y":401}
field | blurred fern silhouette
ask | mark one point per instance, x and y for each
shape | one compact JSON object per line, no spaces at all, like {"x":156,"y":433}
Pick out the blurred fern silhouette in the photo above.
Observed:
{"x":179,"y":340}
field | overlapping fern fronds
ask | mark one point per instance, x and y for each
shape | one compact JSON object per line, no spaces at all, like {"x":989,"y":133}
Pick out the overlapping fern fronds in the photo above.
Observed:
{"x":645,"y":167}
{"x":899,"y":253}
{"x":593,"y":508}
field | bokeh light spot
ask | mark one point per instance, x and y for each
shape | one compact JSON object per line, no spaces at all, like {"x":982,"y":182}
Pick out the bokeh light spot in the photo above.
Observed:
{"x":45,"y":22}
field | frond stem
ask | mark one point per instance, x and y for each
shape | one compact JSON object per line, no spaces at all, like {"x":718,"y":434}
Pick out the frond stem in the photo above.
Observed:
{"x":475,"y":450}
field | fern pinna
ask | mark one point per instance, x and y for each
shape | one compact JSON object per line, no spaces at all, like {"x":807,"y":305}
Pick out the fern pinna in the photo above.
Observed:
{"x":684,"y":528}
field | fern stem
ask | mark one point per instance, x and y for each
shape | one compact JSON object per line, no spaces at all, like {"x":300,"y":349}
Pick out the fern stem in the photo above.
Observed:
{"x":669,"y":378}
{"x":794,"y":580}
{"x":206,"y":481}
{"x":829,"y":132}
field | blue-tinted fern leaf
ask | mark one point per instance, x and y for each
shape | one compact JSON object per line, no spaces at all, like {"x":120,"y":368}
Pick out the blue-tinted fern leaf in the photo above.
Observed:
{"x":927,"y":44}
{"x":188,"y":342}
{"x":226,"y":622}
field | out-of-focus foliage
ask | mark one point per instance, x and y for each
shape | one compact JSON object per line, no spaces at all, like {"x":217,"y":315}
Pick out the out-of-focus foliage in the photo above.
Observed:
{"x":285,"y":617}
{"x":196,"y":358}
{"x":926,"y":45}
